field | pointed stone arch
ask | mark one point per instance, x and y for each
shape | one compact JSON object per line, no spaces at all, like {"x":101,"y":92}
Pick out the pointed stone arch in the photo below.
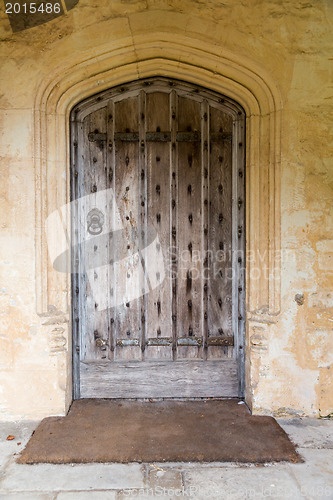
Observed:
{"x":189,"y":60}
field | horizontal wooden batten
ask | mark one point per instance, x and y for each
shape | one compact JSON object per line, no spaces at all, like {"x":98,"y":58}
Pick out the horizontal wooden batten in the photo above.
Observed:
{"x":220,"y":341}
{"x":158,"y":137}
{"x":158,"y":379}
{"x":221,"y":137}
{"x":96,"y":136}
{"x":167,"y":341}
{"x":188,"y":136}
{"x":190,"y":341}
{"x":184,"y":341}
{"x":127,"y":342}
{"x":126,"y":136}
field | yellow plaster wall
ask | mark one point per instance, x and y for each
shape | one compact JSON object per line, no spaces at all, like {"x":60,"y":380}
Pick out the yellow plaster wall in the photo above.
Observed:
{"x":290,"y":360}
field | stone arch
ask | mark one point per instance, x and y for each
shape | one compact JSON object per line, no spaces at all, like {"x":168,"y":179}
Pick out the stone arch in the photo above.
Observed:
{"x":189,"y":60}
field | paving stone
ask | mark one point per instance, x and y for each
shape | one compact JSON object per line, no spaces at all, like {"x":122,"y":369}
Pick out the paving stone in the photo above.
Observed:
{"x":48,"y":477}
{"x":309,"y":432}
{"x":148,"y":494}
{"x":274,"y":482}
{"x":22,"y":432}
{"x":166,"y":478}
{"x":26,"y":496}
{"x":87,"y":495}
{"x":315,"y":476}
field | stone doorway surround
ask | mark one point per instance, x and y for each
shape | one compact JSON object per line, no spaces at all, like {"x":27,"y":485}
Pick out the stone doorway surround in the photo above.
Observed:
{"x":199,"y":63}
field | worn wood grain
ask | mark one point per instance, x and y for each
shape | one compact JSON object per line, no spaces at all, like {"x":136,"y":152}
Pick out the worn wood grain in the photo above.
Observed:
{"x":158,"y":200}
{"x":189,"y":229}
{"x":160,"y":379}
{"x":220,"y":271}
{"x":93,"y":179}
{"x":129,"y":274}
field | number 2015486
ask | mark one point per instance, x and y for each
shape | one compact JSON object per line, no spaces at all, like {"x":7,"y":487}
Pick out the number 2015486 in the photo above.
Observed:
{"x":33,"y":8}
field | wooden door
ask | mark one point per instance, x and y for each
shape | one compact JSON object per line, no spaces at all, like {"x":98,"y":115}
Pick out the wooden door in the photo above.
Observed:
{"x":158,"y":239}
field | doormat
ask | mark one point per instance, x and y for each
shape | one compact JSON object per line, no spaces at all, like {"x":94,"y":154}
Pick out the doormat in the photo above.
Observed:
{"x":101,"y":430}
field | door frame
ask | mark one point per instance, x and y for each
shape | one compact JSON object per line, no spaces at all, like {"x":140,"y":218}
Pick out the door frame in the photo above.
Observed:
{"x":96,"y":101}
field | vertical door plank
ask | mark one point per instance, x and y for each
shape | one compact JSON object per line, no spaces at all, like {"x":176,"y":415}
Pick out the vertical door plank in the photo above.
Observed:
{"x":79,"y":175}
{"x":112,"y":219}
{"x":189,"y":230}
{"x":158,"y":199}
{"x":205,"y":118}
{"x":94,"y":181}
{"x":220,"y":282}
{"x":76,"y":138}
{"x":172,"y":255}
{"x":142,"y":200}
{"x":239,"y":258}
{"x":128,"y":270}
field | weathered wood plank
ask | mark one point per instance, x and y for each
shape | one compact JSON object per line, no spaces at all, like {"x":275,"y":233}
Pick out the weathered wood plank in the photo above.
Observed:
{"x":160,"y":379}
{"x":76,"y":132}
{"x":158,"y":205}
{"x":205,"y":168}
{"x":112,"y":217}
{"x":190,"y":230}
{"x":94,"y":283}
{"x":220,"y":271}
{"x":239,"y":258}
{"x":172,"y":253}
{"x":142,"y":221}
{"x":129,"y":277}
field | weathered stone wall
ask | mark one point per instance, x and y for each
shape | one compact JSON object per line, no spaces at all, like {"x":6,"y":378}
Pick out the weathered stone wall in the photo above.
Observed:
{"x":290,"y":351}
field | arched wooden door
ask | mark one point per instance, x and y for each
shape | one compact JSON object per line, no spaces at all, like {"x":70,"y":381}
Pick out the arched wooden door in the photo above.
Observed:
{"x":157,"y":243}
